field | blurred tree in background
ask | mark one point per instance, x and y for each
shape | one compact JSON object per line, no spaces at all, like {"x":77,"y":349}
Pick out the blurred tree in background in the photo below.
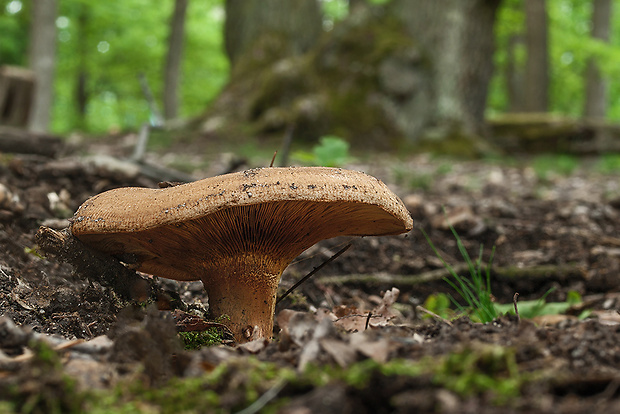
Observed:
{"x":174,"y":59}
{"x":596,"y":86}
{"x":101,"y":49}
{"x":42,"y":60}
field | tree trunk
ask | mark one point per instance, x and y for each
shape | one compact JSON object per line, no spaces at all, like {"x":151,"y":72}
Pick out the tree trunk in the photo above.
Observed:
{"x":537,"y":64}
{"x":81,"y":81}
{"x":596,"y":88}
{"x":42,"y":57}
{"x":457,"y":36}
{"x":173,"y":61}
{"x":266,"y":30}
{"x":514,"y":75}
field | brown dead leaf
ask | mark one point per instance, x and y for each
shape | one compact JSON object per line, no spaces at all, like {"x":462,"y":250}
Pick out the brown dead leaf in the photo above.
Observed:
{"x":544,"y":320}
{"x":379,"y":350}
{"x":341,"y":352}
{"x":298,"y":327}
{"x":381,"y":315}
{"x":255,"y":346}
{"x":607,"y":317}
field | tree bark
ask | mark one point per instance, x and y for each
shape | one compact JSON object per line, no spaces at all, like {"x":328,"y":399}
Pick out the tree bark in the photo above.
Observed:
{"x":267,"y":29}
{"x":81,"y":80}
{"x":18,"y":141}
{"x":537,"y":64}
{"x":457,"y":35}
{"x":173,"y":61}
{"x":42,"y":56}
{"x":514,"y":75}
{"x":596,"y":87}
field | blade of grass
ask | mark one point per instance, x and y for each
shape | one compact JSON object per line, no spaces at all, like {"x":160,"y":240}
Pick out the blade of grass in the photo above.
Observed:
{"x":475,"y":290}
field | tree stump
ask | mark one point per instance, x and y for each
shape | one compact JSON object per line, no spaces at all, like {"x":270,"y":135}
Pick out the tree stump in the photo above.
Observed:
{"x":16,"y":95}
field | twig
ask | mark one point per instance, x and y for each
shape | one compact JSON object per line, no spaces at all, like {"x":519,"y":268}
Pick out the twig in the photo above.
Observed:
{"x":316,"y":269}
{"x":434,"y":315}
{"x":143,"y":139}
{"x":514,"y":302}
{"x":273,"y":158}
{"x":536,"y":272}
{"x":148,"y":95}
{"x":264,"y":399}
{"x":368,"y":320}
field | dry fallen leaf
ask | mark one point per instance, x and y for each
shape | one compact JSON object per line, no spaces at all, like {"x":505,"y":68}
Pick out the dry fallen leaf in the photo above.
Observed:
{"x":353,"y":320}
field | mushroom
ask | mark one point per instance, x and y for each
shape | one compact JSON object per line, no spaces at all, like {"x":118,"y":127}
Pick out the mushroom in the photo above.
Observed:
{"x":238,"y":232}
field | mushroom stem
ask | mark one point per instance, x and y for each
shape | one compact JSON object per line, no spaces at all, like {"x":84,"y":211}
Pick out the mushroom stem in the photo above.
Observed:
{"x":244,"y":292}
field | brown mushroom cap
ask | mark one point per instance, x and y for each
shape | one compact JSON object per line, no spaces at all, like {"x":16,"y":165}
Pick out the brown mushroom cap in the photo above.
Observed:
{"x":244,"y":225}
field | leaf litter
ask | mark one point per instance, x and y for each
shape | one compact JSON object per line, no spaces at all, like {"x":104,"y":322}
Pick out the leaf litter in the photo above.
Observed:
{"x":343,"y":343}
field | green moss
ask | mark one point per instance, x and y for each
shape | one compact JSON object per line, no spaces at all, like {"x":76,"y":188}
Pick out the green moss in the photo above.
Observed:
{"x":198,"y":339}
{"x":41,"y":386}
{"x":235,"y":384}
{"x":479,"y":369}
{"x":548,"y":165}
{"x":454,"y":141}
{"x":609,"y":164}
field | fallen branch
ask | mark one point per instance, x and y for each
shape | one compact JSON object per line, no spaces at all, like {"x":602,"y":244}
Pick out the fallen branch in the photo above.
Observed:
{"x":537,"y":272}
{"x":18,"y":141}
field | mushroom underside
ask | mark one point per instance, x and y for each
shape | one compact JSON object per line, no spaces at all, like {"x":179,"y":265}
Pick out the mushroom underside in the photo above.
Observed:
{"x":277,"y":231}
{"x":240,"y":252}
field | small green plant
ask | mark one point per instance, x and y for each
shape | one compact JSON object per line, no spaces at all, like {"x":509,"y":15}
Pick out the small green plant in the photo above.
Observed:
{"x":481,"y":368}
{"x":416,"y":180}
{"x":609,"y":163}
{"x":545,"y":166}
{"x":529,"y":309}
{"x":198,"y":339}
{"x":439,"y":304}
{"x":331,"y":151}
{"x":476,"y":290}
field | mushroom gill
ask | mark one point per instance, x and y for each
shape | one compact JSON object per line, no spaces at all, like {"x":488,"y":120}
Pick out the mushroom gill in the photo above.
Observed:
{"x":238,"y":232}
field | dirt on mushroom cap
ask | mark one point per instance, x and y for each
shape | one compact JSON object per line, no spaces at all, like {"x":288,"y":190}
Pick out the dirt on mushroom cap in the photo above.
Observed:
{"x":273,"y":213}
{"x":136,"y":209}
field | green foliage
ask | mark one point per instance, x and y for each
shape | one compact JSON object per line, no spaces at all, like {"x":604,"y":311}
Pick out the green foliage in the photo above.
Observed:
{"x":548,"y":165}
{"x":475,"y":290}
{"x":198,"y":339}
{"x":208,"y":393}
{"x":609,"y":164}
{"x":111,"y":44}
{"x":439,"y":303}
{"x":238,"y":382}
{"x":416,"y":180}
{"x":14,"y":25}
{"x":529,"y":309}
{"x":570,"y":48}
{"x":331,"y":151}
{"x":479,"y":369}
{"x":41,"y":386}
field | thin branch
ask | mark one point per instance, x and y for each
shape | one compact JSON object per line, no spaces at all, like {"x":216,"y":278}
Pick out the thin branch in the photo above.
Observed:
{"x":514,"y":302}
{"x":316,"y":269}
{"x":434,"y":315}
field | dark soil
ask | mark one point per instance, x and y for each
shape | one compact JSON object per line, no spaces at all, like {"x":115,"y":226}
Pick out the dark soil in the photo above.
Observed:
{"x":549,"y":232}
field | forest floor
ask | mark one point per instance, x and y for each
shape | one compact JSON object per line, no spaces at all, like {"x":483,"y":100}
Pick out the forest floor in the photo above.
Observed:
{"x":355,"y":338}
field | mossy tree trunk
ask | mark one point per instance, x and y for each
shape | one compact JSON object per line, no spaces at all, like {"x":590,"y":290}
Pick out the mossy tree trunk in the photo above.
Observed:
{"x":537,"y":64}
{"x":172,"y":68}
{"x":412,"y":73}
{"x":596,"y":88}
{"x":42,"y":58}
{"x":457,"y":37}
{"x":264,"y":29}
